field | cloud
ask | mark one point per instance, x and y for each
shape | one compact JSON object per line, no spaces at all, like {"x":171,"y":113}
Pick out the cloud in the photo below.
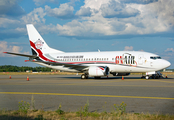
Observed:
{"x":95,"y":4}
{"x":89,"y":29}
{"x":118,"y":10}
{"x":169,"y":50}
{"x":118,"y":20}
{"x":36,"y":16}
{"x":10,"y":8}
{"x":4,"y":47}
{"x":14,"y":28}
{"x":65,"y":11}
{"x":139,"y":1}
{"x":10,"y":28}
{"x":84,"y":12}
{"x":128,"y":48}
{"x":8,"y":23}
{"x":41,"y":2}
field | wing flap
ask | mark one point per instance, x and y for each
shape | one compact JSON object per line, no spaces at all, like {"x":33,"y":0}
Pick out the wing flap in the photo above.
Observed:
{"x":71,"y":66}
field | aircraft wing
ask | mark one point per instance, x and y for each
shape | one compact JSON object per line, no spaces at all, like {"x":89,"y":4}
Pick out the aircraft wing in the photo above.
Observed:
{"x":71,"y":66}
{"x":79,"y":67}
{"x":24,"y":55}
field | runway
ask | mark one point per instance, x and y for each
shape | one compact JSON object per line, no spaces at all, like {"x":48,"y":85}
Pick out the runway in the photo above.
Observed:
{"x":140,"y":95}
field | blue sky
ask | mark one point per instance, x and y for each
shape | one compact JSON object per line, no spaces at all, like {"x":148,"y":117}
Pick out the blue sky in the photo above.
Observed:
{"x":88,"y":25}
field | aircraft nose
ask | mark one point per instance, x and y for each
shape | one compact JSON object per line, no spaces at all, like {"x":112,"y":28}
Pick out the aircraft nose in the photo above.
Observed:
{"x":167,"y":63}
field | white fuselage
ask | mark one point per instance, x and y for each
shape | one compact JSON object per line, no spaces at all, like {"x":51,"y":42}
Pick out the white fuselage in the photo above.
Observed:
{"x":117,"y":61}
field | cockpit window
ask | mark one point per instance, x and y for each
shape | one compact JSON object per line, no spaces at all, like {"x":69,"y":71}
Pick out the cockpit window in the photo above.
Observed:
{"x":155,"y":57}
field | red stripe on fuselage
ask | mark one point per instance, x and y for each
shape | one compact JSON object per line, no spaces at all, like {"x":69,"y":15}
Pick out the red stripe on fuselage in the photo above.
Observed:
{"x":40,"y":53}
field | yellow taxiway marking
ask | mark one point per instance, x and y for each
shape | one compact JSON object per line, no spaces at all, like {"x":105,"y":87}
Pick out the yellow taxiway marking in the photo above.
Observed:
{"x":91,"y":84}
{"x":89,"y":95}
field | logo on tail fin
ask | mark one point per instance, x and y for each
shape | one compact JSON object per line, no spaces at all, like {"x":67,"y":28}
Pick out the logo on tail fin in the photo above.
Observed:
{"x":39,"y":44}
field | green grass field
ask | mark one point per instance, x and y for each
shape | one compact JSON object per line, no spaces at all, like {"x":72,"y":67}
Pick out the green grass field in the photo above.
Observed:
{"x":53,"y":115}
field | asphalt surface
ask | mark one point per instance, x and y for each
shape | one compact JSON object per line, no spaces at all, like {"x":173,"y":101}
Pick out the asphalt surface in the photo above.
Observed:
{"x":140,"y":95}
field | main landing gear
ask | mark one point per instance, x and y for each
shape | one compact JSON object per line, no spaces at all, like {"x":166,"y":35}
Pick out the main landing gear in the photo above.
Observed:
{"x":84,"y":76}
{"x":147,"y":77}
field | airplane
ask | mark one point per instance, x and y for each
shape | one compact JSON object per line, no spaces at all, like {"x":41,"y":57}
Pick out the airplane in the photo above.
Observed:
{"x":94,"y":64}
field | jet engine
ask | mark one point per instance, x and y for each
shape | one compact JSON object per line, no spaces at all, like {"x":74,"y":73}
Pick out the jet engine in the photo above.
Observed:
{"x":120,"y":74}
{"x":98,"y":71}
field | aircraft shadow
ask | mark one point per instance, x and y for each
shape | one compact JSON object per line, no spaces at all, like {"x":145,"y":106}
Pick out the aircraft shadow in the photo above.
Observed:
{"x":109,"y":78}
{"x":102,"y":78}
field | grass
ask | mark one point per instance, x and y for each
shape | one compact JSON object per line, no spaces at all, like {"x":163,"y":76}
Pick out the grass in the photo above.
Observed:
{"x":53,"y":115}
{"x":118,"y":112}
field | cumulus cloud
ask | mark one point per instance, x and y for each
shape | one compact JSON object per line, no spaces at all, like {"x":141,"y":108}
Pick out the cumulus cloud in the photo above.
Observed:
{"x":115,"y":19}
{"x":139,"y":1}
{"x":36,"y":16}
{"x":40,"y":2}
{"x":10,"y":8}
{"x":128,"y":48}
{"x":4,"y":47}
{"x":117,"y":9}
{"x":84,"y":11}
{"x":84,"y":29}
{"x":8,"y":23}
{"x":65,"y":11}
{"x":13,"y":28}
{"x":95,"y":4}
{"x":10,"y":28}
{"x":169,"y":50}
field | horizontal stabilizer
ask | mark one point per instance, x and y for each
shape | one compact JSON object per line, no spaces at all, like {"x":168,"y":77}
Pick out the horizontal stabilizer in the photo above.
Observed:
{"x":24,"y":55}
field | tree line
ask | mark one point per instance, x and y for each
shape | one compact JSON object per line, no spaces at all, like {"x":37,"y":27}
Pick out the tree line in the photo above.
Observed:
{"x":10,"y":68}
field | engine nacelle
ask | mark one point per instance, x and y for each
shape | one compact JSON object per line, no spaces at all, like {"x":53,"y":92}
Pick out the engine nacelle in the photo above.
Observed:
{"x":120,"y":74}
{"x":98,"y":71}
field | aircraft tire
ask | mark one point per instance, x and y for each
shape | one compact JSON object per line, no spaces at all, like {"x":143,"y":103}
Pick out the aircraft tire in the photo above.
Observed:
{"x":83,"y":76}
{"x":147,"y":77}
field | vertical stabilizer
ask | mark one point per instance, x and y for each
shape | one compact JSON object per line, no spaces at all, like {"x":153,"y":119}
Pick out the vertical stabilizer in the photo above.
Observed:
{"x":38,"y":45}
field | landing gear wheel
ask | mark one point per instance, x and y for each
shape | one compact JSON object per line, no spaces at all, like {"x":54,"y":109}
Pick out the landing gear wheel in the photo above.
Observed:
{"x":84,"y":76}
{"x":147,"y":77}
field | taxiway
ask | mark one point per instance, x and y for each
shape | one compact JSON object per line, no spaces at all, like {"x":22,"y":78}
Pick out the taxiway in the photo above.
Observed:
{"x":140,"y":95}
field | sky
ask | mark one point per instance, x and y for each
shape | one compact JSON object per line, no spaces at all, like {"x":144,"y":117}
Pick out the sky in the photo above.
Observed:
{"x":87,"y":25}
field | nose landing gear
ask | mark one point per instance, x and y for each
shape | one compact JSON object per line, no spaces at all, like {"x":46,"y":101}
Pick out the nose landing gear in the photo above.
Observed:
{"x":153,"y":75}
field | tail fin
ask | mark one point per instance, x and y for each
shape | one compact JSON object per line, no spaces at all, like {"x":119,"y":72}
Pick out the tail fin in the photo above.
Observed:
{"x":38,"y":45}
